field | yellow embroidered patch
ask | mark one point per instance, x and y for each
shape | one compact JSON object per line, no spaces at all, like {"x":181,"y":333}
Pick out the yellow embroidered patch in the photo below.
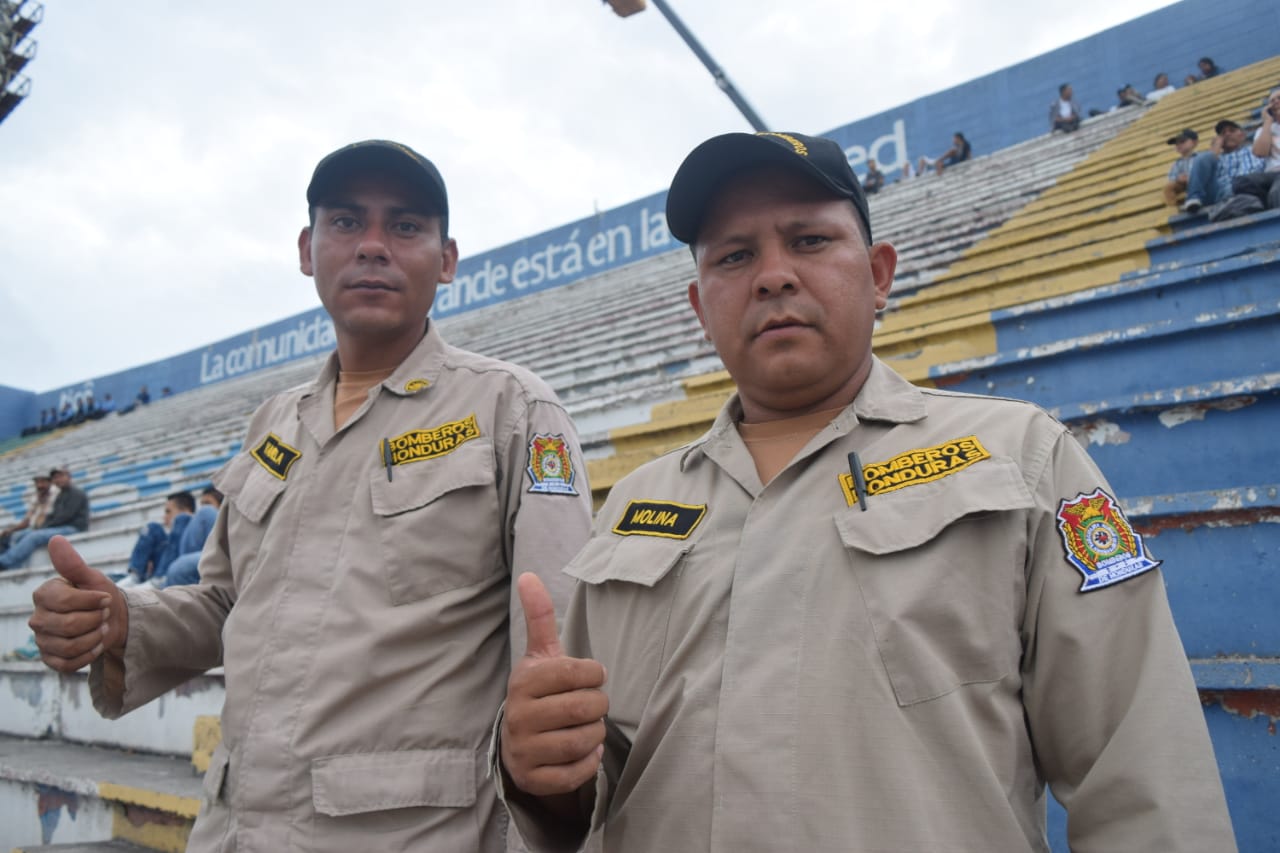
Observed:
{"x":659,"y":518}
{"x":415,"y":385}
{"x":419,"y":444}
{"x":913,"y":467}
{"x":276,"y":456}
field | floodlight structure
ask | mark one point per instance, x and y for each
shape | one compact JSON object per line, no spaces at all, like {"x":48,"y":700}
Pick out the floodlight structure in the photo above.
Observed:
{"x":625,"y":8}
{"x":17,"y":49}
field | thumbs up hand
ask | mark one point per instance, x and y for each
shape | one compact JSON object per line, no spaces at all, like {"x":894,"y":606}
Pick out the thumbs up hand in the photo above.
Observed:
{"x":79,"y":614}
{"x":553,"y":727}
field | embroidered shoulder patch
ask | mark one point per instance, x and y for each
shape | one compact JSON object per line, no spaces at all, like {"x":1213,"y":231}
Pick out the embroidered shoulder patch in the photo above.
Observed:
{"x":1100,"y":542}
{"x":276,"y":456}
{"x":659,"y":518}
{"x":550,"y":466}
{"x":419,"y":444}
{"x":913,"y":467}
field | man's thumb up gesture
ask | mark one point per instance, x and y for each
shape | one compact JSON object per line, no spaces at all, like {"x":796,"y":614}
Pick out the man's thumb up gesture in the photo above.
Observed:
{"x":79,"y":614}
{"x":553,"y":727}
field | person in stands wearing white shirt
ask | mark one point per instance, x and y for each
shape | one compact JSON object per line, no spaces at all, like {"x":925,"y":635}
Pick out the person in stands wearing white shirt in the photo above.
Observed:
{"x":1266,"y":145}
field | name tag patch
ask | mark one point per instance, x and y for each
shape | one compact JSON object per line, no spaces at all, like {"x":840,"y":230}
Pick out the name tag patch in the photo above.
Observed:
{"x":1100,"y":542}
{"x":550,"y":466}
{"x":276,"y":456}
{"x":913,"y":467}
{"x":419,"y":444}
{"x":659,"y":518}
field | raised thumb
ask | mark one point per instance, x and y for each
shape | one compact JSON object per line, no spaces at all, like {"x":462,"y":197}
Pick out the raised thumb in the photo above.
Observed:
{"x":539,"y":617}
{"x":68,"y":563}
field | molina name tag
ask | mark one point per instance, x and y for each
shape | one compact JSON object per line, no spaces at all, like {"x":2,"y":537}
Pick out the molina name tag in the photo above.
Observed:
{"x":659,"y":518}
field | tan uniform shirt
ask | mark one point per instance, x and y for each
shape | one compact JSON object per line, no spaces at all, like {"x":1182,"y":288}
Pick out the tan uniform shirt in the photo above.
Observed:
{"x":363,"y":614}
{"x":788,"y":672}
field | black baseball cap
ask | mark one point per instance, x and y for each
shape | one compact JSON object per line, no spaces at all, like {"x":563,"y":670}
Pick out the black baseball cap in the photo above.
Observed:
{"x":1225,"y":124}
{"x":380,"y":155}
{"x":1185,"y":133}
{"x":709,"y":165}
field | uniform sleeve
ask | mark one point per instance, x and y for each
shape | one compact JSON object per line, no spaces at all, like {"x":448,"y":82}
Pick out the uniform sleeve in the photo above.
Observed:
{"x":174,"y":634}
{"x":1110,"y":701}
{"x":538,"y":830}
{"x":548,"y":499}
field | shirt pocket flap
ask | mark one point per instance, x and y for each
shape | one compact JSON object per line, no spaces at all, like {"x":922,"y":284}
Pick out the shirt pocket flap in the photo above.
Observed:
{"x":644,"y":560}
{"x":249,"y":487}
{"x":378,"y":781}
{"x":919,"y":513}
{"x":417,"y":484}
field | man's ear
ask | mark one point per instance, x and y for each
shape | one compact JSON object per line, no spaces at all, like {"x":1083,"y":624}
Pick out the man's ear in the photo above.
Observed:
{"x":449,"y":260}
{"x":884,"y":261}
{"x":696,"y":301}
{"x":304,"y":251}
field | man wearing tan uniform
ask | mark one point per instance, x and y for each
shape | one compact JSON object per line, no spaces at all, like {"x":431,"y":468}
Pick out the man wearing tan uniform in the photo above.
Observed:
{"x":357,"y":587}
{"x":855,"y":615}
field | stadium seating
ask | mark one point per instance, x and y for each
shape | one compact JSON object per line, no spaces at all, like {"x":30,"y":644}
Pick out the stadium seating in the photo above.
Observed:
{"x":1049,"y":271}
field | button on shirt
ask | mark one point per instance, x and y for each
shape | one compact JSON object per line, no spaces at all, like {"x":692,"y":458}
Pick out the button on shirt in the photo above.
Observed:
{"x":363,"y":611}
{"x":793,"y":673}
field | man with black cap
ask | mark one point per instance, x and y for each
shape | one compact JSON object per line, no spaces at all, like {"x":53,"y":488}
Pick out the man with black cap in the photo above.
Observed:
{"x":357,"y":586}
{"x":856,"y":614}
{"x":1209,"y":179}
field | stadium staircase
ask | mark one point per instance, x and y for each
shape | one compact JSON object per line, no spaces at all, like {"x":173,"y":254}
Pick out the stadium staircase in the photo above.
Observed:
{"x":1048,"y":271}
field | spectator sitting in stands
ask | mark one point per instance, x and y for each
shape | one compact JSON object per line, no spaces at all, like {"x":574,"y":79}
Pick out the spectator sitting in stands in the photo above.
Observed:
{"x":143,"y":398}
{"x":186,"y":569}
{"x":907,"y":172}
{"x":1185,"y":144}
{"x":104,"y":408}
{"x":1207,"y":69}
{"x":874,"y":181}
{"x":70,"y":514}
{"x":1212,"y":171}
{"x":1064,"y":112}
{"x":1265,"y":185}
{"x":959,"y":151}
{"x":158,"y":542}
{"x":37,"y":508}
{"x":1160,"y":87}
{"x":1129,"y":97}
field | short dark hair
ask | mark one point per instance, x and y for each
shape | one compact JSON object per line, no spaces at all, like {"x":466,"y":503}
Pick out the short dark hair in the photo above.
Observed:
{"x":214,"y":493}
{"x":183,"y":501}
{"x":1063,"y":88}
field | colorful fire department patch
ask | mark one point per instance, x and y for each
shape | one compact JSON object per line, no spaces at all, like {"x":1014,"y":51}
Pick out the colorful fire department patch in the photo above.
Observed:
{"x":1100,"y":542}
{"x":659,"y":518}
{"x":276,"y":456}
{"x":913,"y":467}
{"x":419,"y":444}
{"x":550,"y":467}
{"x":415,"y":385}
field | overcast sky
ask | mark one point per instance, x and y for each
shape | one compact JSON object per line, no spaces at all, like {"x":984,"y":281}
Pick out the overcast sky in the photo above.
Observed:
{"x":151,"y":186}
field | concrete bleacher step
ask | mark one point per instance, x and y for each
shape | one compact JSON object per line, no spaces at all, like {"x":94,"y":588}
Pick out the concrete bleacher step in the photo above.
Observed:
{"x":55,"y":792}
{"x":37,"y":702}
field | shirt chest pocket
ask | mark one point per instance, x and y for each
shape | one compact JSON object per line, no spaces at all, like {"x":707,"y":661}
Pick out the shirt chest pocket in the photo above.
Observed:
{"x":438,"y":520}
{"x":941,"y":571}
{"x":632,"y":582}
{"x":250,"y":488}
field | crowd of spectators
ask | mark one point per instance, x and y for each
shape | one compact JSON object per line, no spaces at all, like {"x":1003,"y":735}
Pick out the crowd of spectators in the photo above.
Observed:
{"x":167,"y":552}
{"x":68,"y":513}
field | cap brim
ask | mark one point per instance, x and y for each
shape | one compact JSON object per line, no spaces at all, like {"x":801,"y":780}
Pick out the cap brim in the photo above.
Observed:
{"x":709,"y":165}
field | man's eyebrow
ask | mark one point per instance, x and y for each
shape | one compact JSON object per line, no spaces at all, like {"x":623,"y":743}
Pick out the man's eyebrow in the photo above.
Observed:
{"x":410,"y":210}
